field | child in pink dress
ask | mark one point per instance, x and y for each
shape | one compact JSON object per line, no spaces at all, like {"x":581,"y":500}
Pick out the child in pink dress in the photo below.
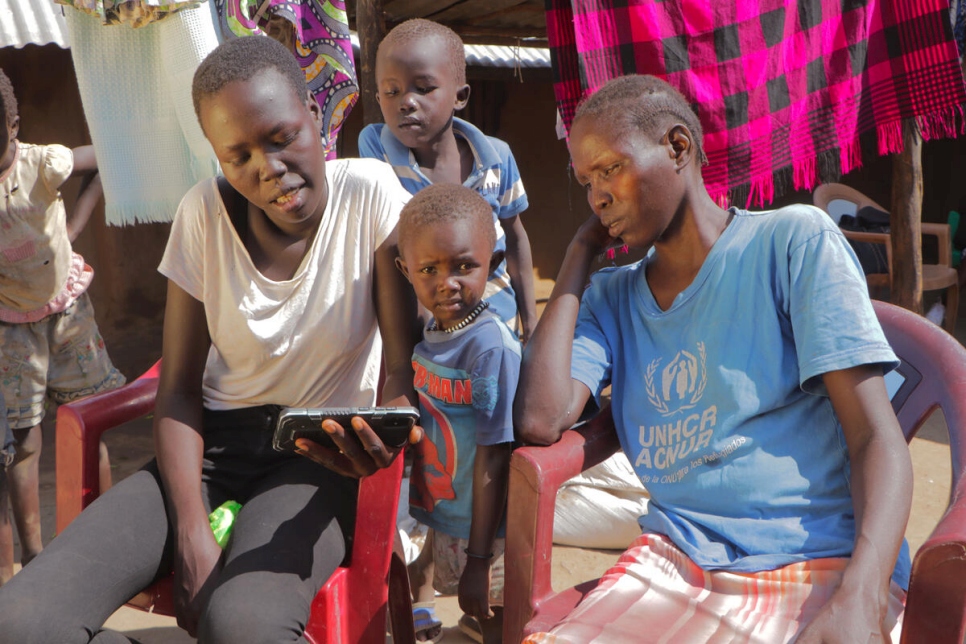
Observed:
{"x":49,"y":342}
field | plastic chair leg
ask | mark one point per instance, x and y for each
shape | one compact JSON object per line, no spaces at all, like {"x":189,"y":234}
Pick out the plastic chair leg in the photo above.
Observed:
{"x":400,"y":603}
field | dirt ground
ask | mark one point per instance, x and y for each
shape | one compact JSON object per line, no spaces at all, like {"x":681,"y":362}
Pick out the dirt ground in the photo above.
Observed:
{"x":134,"y":349}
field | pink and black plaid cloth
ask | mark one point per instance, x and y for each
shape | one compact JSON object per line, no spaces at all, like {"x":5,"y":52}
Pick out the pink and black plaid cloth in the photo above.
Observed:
{"x":783,"y":88}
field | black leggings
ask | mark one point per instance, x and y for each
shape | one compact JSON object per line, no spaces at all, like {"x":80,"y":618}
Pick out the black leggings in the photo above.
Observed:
{"x":290,"y":535}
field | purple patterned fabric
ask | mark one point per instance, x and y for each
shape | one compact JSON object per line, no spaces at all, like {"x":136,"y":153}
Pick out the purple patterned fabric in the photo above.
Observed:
{"x":321,"y":45}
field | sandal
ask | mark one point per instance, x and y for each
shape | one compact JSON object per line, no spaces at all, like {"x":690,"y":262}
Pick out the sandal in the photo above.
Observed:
{"x":428,"y":627}
{"x":470,"y":626}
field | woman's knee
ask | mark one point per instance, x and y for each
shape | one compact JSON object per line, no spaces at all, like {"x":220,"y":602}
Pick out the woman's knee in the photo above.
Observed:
{"x":27,"y":620}
{"x":257,"y":607}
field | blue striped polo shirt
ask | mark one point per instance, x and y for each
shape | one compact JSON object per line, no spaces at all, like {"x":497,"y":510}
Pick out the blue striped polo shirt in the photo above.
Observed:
{"x":495,"y":177}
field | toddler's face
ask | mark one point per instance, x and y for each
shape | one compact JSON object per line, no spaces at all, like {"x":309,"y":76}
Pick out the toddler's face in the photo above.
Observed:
{"x":417,"y":91}
{"x":448,"y":264}
{"x":268,"y":143}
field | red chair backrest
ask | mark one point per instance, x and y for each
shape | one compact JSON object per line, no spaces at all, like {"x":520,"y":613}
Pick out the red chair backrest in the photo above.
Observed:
{"x":933,"y":373}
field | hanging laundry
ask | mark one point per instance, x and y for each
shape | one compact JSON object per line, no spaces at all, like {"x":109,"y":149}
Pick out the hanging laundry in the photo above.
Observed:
{"x":783,"y":91}
{"x":135,"y":86}
{"x":133,"y":13}
{"x":317,"y":32}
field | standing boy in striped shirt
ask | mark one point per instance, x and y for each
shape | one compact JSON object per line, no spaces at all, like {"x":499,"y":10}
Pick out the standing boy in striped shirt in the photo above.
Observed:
{"x":421,"y":82}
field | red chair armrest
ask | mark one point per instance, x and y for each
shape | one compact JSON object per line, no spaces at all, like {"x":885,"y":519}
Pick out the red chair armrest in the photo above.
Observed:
{"x":536,"y":473}
{"x":80,"y":425}
{"x":937,"y":587}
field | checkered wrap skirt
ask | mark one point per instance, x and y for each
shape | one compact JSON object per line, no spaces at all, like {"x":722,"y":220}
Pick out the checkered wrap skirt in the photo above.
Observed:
{"x":656,"y":594}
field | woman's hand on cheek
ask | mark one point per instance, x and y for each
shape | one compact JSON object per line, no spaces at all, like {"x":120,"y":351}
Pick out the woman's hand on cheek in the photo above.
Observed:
{"x":356,"y":456}
{"x":594,"y":236}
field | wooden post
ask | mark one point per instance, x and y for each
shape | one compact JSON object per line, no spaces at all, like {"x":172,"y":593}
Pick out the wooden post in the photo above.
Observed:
{"x":371,"y":26}
{"x":905,"y":222}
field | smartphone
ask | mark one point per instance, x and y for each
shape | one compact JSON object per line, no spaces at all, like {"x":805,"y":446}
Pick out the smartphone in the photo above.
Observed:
{"x":391,"y":424}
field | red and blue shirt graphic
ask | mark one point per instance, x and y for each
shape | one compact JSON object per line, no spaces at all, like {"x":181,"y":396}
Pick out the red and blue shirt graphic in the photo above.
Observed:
{"x":466,"y":382}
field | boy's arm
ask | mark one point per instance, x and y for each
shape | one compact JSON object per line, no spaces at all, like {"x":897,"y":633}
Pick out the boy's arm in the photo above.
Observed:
{"x":491,"y":471}
{"x":399,"y":326}
{"x":90,"y":193}
{"x":84,"y":160}
{"x":881,"y":482}
{"x":519,"y":264}
{"x":548,"y":400}
{"x":398,"y":323}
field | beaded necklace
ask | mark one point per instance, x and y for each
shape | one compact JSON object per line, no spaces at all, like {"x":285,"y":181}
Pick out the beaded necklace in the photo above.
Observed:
{"x":472,"y":315}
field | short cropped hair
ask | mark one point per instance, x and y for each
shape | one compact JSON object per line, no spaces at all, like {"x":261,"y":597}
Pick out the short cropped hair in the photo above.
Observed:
{"x":410,"y":31}
{"x":444,"y":203}
{"x":644,"y":102}
{"x":240,"y":59}
{"x":8,"y":100}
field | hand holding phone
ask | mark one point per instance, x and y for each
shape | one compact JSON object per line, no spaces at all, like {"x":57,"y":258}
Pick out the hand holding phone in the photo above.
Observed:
{"x":391,"y":424}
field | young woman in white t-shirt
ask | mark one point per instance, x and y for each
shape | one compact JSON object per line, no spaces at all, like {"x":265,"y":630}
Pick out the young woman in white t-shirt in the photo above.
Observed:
{"x":281,"y":277}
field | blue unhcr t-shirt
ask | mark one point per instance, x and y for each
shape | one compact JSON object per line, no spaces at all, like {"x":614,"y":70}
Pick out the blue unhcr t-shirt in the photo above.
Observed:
{"x":719,"y":401}
{"x":495,"y":177}
{"x":466,"y":381}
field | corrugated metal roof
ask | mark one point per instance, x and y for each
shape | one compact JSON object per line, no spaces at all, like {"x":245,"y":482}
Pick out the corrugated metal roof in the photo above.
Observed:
{"x":503,"y":56}
{"x":40,"y":22}
{"x":37,"y":22}
{"x":491,"y":55}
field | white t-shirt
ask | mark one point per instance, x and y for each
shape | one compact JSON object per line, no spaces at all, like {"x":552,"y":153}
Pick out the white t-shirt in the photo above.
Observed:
{"x":308,"y":341}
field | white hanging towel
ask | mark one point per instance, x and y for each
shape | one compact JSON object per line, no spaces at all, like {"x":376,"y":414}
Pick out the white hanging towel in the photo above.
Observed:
{"x":135,"y":85}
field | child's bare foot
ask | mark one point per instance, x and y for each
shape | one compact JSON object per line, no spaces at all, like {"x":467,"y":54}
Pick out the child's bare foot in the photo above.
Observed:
{"x":427,"y":625}
{"x":429,"y":628}
{"x":489,"y":631}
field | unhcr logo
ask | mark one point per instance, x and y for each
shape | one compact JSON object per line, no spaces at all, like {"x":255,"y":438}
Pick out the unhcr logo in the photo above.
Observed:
{"x":681,"y":383}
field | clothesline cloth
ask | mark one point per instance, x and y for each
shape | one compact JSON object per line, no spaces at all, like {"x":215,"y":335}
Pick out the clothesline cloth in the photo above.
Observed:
{"x":783,"y":88}
{"x":135,"y":86}
{"x":133,"y":13}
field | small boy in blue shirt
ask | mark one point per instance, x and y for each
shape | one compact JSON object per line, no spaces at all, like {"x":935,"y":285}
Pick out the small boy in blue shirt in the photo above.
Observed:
{"x":421,"y":82}
{"x":466,"y":370}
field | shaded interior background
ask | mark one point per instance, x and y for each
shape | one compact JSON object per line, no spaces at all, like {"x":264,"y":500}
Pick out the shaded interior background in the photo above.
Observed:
{"x":128,"y":292}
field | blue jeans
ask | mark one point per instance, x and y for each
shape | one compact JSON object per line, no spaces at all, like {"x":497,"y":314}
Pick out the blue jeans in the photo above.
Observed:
{"x":292,"y":532}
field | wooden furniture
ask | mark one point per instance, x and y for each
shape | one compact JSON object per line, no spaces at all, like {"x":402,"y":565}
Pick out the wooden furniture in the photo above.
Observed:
{"x":934,"y":377}
{"x":352,"y":605}
{"x":830,"y":197}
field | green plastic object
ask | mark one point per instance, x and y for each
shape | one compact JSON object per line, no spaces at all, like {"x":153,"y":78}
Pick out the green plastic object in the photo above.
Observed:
{"x":953,"y":221}
{"x":222,"y":520}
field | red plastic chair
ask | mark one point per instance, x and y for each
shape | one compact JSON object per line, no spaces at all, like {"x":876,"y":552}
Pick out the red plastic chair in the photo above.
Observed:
{"x":352,"y":605}
{"x":934,"y":368}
